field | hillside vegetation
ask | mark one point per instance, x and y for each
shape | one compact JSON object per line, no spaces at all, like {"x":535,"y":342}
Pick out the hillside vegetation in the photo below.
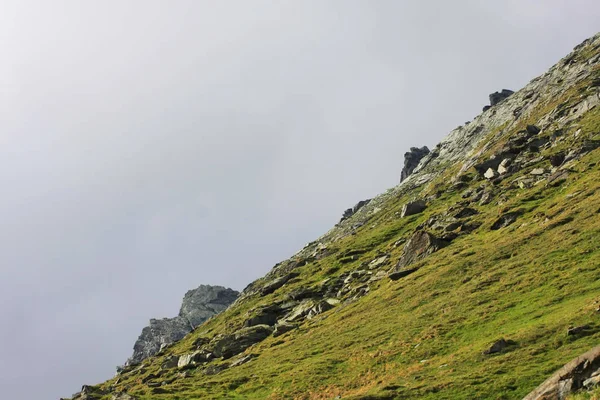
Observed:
{"x":390,"y":305}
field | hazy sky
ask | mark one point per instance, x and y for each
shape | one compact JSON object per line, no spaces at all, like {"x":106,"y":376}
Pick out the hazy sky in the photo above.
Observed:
{"x":147,"y":147}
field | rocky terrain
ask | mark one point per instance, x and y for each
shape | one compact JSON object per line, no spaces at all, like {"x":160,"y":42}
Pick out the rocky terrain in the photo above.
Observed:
{"x":198,"y":306}
{"x":475,"y":278}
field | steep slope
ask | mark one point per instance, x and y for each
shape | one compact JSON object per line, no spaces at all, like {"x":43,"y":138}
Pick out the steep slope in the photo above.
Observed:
{"x":493,"y":236}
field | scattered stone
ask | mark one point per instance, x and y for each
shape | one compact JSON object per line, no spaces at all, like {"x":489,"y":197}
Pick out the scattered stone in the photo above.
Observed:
{"x":499,"y":346}
{"x":412,"y":208}
{"x":267,"y":315}
{"x":538,"y":171}
{"x":503,"y":167}
{"x":490,"y":174}
{"x":557,"y":178}
{"x":397,"y":274}
{"x":379,"y":262}
{"x":243,"y":360}
{"x":277,"y":283}
{"x":193,"y":359}
{"x":557,"y":159}
{"x":214,"y":369}
{"x":577,"y":330}
{"x":465,"y":212}
{"x":283,"y":327}
{"x":122,"y":396}
{"x":419,"y":246}
{"x":532,"y":129}
{"x":505,"y":220}
{"x":170,"y":362}
{"x":227,"y":346}
{"x":412,"y":160}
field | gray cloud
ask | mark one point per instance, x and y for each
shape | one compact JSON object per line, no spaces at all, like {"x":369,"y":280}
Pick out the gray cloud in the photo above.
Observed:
{"x":150,"y":147}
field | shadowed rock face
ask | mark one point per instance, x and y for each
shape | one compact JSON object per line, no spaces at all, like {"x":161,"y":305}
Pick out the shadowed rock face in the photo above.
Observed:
{"x":198,"y":305}
{"x":412,"y":159}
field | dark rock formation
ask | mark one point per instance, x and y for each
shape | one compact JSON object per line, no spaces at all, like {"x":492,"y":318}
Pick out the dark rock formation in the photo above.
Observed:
{"x":499,"y":346}
{"x":419,"y":246}
{"x":351,"y":211}
{"x":497,"y":97}
{"x":505,"y":220}
{"x":412,"y":208}
{"x":411,"y":160}
{"x":227,"y":346}
{"x":198,"y":305}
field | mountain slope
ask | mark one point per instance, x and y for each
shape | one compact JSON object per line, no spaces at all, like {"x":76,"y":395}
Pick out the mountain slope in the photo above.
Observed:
{"x":401,"y":299}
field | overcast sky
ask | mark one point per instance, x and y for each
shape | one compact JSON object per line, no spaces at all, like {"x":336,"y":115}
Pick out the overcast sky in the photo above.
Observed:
{"x":148,"y":147}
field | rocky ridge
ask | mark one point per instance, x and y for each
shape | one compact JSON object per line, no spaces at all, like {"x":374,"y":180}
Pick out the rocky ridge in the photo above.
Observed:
{"x":198,"y":305}
{"x":485,"y":179}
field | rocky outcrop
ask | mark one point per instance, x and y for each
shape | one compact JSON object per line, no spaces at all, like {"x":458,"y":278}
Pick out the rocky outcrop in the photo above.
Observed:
{"x":412,"y":159}
{"x":198,"y":305}
{"x":412,"y":208}
{"x":497,"y":97}
{"x":351,"y":211}
{"x":575,"y":375}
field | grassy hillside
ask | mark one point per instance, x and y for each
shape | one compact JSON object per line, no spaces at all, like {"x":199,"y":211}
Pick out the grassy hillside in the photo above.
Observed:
{"x":423,"y":336}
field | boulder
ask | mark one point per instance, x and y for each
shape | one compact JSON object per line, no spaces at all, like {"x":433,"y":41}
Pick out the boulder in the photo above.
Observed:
{"x":498,"y":346}
{"x":497,"y":97}
{"x":283,"y":327}
{"x":395,"y":275}
{"x":193,"y":359}
{"x":412,"y":208}
{"x":379,"y":262}
{"x":227,"y":346}
{"x":557,"y":159}
{"x":420,"y":245}
{"x":243,"y":360}
{"x":532,"y":129}
{"x":505,"y":220}
{"x":503,"y":167}
{"x":170,"y":362}
{"x":570,"y":378}
{"x":267,"y":315}
{"x":276,"y":283}
{"x":412,"y":159}
{"x":490,"y":174}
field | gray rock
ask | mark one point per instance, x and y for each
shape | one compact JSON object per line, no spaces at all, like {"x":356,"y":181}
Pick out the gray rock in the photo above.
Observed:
{"x":379,"y":262}
{"x":243,"y":360}
{"x":412,"y":208}
{"x":193,"y":359}
{"x":497,"y":97}
{"x":283,"y":327}
{"x":505,"y":220}
{"x":538,"y":171}
{"x":277,"y":283}
{"x":490,"y":174}
{"x":570,"y":378}
{"x":351,"y":211}
{"x":419,"y":246}
{"x":503,"y":167}
{"x":227,"y":346}
{"x":198,"y":305}
{"x":395,"y":275}
{"x":499,"y":346}
{"x":412,"y":159}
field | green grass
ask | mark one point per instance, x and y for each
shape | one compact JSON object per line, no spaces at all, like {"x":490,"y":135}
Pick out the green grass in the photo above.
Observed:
{"x":422,"y":336}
